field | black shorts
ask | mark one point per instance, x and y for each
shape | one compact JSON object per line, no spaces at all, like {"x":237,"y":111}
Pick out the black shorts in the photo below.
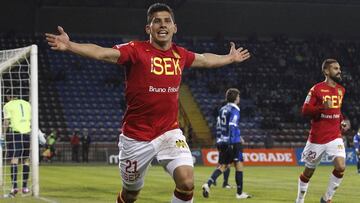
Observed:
{"x":237,"y":152}
{"x":225,"y":155}
{"x":18,"y":145}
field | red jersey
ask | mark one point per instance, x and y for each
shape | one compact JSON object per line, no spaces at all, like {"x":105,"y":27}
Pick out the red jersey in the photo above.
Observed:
{"x":151,"y":88}
{"x":325,"y":123}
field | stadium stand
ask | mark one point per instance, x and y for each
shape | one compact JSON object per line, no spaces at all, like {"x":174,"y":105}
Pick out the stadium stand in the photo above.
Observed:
{"x":90,"y":92}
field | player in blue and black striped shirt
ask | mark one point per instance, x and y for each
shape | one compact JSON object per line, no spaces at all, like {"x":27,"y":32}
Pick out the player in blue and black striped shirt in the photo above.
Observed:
{"x":229,"y":117}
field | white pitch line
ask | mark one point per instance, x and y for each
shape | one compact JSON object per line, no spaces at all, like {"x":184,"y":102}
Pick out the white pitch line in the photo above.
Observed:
{"x":47,"y":200}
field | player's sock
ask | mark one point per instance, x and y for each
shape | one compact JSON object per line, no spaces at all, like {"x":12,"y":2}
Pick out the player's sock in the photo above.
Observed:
{"x":26,"y":170}
{"x":239,"y":181}
{"x":335,"y":179}
{"x":226,"y":176}
{"x":214,"y":176}
{"x":358,"y":166}
{"x":182,"y":196}
{"x":303,"y":184}
{"x":13,"y":171}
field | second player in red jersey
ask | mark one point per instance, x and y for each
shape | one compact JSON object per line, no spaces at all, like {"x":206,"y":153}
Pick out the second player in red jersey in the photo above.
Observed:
{"x":325,"y":119}
{"x":323,"y":105}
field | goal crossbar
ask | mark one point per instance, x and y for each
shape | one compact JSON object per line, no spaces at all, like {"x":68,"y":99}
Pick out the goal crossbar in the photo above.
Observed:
{"x":20,"y":54}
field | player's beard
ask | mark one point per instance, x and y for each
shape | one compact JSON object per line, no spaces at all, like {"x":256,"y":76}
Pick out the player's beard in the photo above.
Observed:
{"x":336,"y":78}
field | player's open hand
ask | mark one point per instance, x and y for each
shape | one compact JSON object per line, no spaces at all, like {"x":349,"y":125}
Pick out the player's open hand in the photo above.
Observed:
{"x":238,"y":55}
{"x":60,"y":42}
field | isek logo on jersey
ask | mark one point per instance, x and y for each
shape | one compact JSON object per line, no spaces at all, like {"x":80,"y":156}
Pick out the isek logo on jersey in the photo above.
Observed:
{"x":336,"y":100}
{"x":165,"y":66}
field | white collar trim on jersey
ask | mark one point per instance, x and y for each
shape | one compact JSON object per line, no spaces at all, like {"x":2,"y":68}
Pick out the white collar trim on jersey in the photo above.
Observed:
{"x":234,"y":105}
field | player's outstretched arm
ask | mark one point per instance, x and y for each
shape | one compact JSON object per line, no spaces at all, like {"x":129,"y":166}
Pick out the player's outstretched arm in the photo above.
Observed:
{"x":62,"y":42}
{"x":209,"y":60}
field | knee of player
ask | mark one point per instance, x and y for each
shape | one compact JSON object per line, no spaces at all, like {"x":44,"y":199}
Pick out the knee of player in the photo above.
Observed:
{"x":129,"y":196}
{"x":239,"y":166}
{"x":340,"y":169}
{"x":186,"y":186}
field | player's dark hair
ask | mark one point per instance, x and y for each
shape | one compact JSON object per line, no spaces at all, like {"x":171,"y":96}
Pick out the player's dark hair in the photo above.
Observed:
{"x":157,"y":7}
{"x":326,"y":64}
{"x":231,"y":94}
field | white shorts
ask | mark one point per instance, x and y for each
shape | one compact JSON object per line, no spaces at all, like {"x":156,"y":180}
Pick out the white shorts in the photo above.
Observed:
{"x":170,"y":149}
{"x":313,"y":153}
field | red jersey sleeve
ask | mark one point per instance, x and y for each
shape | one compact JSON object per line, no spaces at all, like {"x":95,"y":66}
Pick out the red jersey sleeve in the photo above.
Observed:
{"x":190,"y":57}
{"x":127,"y":53}
{"x":311,"y":107}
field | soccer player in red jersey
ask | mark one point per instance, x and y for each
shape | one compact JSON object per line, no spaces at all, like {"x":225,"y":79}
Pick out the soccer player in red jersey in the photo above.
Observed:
{"x":323,"y":105}
{"x":150,"y":126}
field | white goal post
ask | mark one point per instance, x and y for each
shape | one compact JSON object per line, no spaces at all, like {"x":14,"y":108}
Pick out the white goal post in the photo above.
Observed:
{"x":17,"y":66}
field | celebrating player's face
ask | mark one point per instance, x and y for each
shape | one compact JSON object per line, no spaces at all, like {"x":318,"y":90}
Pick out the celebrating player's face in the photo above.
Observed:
{"x":335,"y":72}
{"x":161,"y":28}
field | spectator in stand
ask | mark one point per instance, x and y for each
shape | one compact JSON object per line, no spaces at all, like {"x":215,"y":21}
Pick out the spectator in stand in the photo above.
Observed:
{"x":75,"y":145}
{"x":85,"y":145}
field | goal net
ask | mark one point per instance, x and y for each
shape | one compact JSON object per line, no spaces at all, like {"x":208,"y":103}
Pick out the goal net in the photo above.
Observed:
{"x":18,"y":73}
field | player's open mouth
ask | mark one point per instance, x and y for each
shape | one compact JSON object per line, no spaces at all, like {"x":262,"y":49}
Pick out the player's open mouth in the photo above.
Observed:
{"x":162,"y":33}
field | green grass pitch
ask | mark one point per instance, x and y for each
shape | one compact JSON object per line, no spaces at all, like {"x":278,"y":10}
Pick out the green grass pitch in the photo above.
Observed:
{"x":96,"y":183}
